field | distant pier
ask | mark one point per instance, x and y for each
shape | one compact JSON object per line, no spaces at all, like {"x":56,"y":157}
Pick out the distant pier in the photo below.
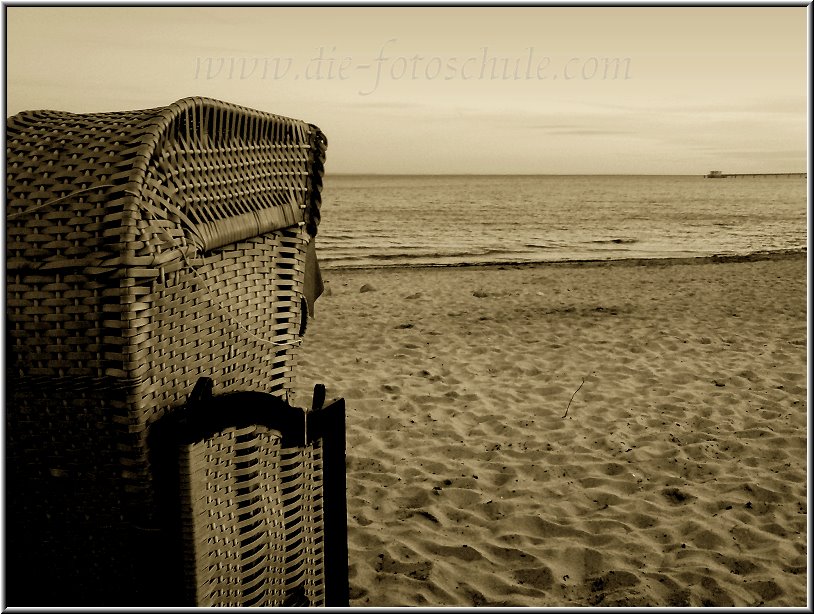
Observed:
{"x":721,"y":175}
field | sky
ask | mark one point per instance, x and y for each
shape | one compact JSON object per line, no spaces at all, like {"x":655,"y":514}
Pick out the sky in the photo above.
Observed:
{"x":459,"y":90}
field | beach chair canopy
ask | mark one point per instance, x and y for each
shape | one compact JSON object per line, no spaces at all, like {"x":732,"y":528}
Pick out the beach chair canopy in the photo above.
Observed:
{"x":142,"y":188}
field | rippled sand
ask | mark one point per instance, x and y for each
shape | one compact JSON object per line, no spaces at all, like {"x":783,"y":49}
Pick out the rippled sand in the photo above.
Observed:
{"x":676,"y":478}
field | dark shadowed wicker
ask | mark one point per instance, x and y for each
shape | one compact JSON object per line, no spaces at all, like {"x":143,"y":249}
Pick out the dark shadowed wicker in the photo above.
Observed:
{"x":145,"y":249}
{"x":253,"y":495}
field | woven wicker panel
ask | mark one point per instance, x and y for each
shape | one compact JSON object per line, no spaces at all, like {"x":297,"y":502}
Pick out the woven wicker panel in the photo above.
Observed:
{"x":144,"y":249}
{"x":64,"y":495}
{"x":122,"y":189}
{"x":253,"y":520}
{"x":233,"y":315}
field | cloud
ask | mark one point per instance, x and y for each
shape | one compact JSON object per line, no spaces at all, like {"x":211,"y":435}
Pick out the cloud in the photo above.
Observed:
{"x":786,"y":105}
{"x":758,"y":154}
{"x":579,"y":130}
{"x":358,"y":104}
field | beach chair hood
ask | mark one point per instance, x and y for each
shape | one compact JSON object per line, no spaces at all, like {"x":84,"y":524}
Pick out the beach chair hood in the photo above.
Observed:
{"x":146,"y":188}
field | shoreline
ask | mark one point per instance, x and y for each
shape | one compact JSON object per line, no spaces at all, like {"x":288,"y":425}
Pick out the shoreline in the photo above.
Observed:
{"x":785,"y":254}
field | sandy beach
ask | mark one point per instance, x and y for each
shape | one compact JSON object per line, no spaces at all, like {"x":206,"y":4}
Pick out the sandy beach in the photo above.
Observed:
{"x":628,"y":434}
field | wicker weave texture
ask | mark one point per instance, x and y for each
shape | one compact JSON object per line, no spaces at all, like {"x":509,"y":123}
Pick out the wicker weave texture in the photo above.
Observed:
{"x":253,"y":529}
{"x":144,"y":249}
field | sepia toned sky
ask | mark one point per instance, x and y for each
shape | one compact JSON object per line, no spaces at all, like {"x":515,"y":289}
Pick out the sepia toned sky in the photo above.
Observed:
{"x":650,"y":90}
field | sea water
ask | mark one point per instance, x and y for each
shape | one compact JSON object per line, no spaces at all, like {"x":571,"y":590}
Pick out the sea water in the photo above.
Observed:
{"x":377,"y":220}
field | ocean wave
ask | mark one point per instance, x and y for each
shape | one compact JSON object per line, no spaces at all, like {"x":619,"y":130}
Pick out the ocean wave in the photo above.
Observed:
{"x":400,"y":254}
{"x":643,"y":260}
{"x":615,"y":241}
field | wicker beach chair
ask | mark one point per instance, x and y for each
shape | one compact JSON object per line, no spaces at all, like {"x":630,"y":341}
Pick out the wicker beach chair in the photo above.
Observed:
{"x":145,"y":250}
